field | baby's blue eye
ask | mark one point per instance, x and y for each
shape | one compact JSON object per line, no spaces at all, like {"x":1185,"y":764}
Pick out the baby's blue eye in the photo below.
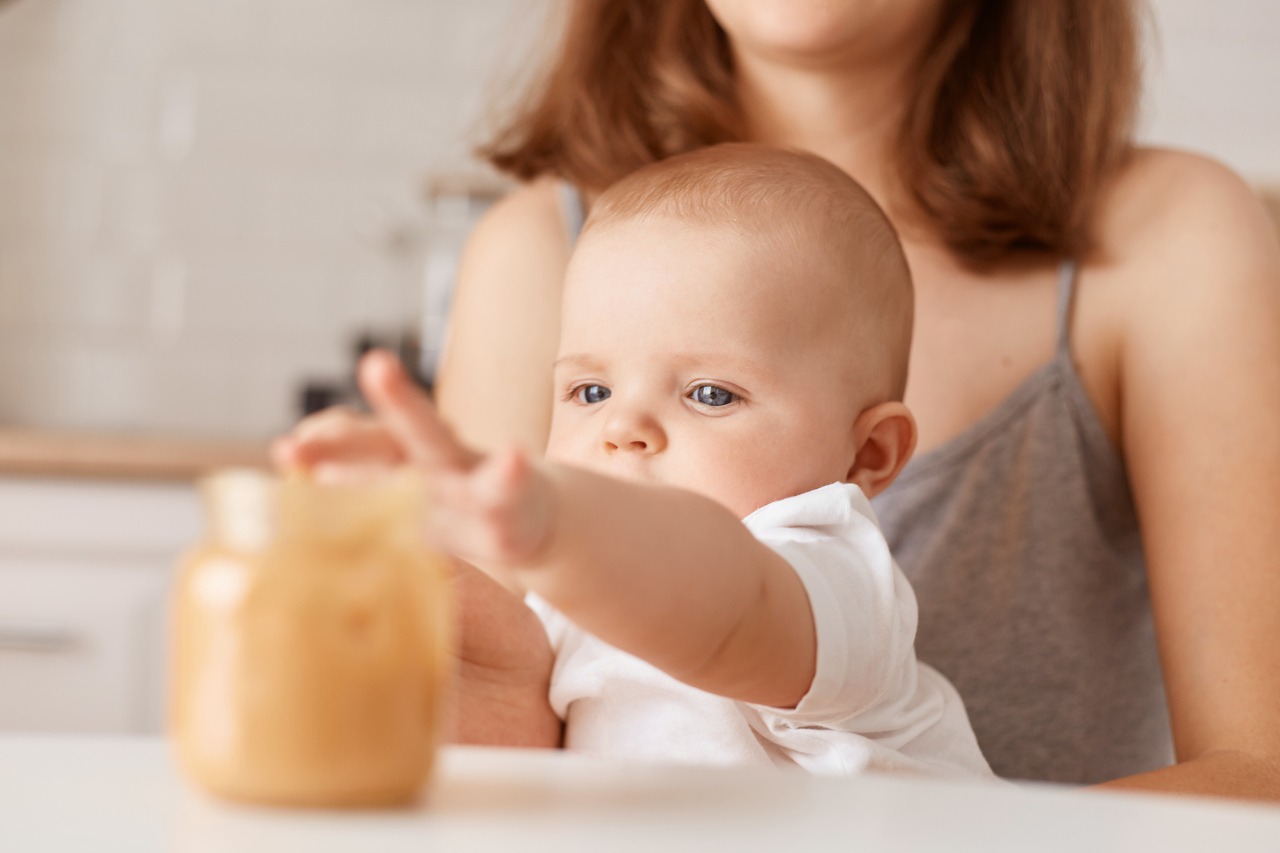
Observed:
{"x":589,"y":394}
{"x":712,"y":395}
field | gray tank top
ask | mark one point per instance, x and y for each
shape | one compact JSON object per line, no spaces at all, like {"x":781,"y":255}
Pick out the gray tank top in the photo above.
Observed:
{"x":1021,"y":540}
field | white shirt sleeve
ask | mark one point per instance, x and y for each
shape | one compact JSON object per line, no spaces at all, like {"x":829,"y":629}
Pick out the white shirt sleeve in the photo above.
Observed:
{"x":864,"y":610}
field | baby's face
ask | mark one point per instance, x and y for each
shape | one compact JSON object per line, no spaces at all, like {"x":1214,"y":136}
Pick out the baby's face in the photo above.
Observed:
{"x":691,"y":358}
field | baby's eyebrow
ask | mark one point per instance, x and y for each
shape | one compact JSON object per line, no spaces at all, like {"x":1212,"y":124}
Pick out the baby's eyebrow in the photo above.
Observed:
{"x":578,"y":361}
{"x":721,"y":361}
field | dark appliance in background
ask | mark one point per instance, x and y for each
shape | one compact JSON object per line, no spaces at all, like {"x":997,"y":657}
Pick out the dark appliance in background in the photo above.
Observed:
{"x":430,"y":241}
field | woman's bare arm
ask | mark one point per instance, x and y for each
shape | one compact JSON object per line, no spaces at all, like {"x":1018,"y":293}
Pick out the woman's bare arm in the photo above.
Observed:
{"x":1200,"y":424}
{"x":494,"y":382}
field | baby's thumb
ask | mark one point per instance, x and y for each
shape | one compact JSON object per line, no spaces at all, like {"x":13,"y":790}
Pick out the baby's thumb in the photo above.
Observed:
{"x":408,"y":414}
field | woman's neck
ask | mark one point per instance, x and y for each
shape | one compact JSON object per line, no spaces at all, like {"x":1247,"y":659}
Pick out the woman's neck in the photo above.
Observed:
{"x":849,"y":116}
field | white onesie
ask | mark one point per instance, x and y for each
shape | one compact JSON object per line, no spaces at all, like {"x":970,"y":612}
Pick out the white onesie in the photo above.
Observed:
{"x":871,"y":704}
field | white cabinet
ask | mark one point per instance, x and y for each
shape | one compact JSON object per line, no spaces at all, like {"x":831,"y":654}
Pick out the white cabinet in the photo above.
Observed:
{"x":86,"y":570}
{"x":78,"y":644}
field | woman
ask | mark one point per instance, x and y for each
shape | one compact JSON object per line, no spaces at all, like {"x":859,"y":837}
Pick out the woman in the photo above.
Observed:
{"x":1097,"y":343}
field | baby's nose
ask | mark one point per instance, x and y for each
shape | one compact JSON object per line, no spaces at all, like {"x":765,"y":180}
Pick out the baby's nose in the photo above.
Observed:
{"x":634,"y":432}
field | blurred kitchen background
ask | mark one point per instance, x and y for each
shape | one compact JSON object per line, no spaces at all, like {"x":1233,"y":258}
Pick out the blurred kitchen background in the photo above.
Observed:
{"x":204,"y":204}
{"x":208,"y":206}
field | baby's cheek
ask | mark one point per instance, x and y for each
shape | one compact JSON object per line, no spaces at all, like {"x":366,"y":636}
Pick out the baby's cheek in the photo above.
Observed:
{"x":757,"y":483}
{"x":782,"y":473}
{"x":564,"y":446}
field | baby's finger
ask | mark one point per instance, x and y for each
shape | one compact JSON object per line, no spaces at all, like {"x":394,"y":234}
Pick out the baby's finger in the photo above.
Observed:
{"x":495,"y":516}
{"x":409,"y":415}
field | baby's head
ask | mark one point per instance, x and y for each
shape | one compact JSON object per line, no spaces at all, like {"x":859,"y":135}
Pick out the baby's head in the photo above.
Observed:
{"x":736,"y":321}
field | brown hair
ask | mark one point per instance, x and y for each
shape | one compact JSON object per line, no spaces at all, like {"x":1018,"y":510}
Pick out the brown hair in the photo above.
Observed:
{"x":801,"y":210}
{"x":1020,"y":111}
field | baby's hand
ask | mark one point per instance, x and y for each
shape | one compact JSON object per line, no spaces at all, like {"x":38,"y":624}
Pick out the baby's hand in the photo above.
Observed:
{"x":491,"y":510}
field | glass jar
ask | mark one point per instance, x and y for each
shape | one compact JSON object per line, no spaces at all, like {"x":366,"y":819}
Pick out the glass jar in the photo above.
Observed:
{"x":310,"y":643}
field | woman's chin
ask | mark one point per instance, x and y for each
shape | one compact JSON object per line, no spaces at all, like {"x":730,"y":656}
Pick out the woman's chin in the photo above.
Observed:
{"x":813,"y":32}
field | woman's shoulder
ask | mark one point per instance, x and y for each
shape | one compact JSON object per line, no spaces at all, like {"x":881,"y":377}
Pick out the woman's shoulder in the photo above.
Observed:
{"x":1166,"y":203}
{"x":504,"y":320}
{"x":1176,"y":228}
{"x":533,"y":212}
{"x":1176,"y":233}
{"x":1187,"y":265}
{"x":520,"y":244}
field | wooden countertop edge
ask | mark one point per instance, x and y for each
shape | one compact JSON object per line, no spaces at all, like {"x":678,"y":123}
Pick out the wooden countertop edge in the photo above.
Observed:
{"x":33,"y":452}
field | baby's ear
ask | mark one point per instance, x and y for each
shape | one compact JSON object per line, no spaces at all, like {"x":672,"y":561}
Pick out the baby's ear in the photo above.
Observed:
{"x":884,"y":436}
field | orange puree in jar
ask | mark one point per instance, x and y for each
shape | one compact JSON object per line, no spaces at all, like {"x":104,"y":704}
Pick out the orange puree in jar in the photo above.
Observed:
{"x":310,"y":643}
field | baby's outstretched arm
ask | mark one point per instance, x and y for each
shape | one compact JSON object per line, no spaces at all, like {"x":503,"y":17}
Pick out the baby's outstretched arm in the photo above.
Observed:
{"x":664,"y":574}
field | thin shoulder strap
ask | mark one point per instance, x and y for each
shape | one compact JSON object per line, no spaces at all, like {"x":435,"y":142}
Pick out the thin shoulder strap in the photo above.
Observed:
{"x":575,"y":212}
{"x":1067,"y":272}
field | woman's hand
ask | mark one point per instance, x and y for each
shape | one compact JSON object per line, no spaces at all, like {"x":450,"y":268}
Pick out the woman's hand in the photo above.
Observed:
{"x":503,"y":667}
{"x":337,"y":443}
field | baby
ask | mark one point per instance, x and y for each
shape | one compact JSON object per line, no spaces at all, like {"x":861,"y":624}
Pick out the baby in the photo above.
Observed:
{"x":698,"y":542}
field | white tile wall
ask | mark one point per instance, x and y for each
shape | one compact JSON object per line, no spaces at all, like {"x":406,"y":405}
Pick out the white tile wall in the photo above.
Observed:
{"x":1213,"y":81}
{"x":198,"y":198}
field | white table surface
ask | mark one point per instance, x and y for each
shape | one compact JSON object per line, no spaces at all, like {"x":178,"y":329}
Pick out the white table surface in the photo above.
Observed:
{"x":123,"y":794}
